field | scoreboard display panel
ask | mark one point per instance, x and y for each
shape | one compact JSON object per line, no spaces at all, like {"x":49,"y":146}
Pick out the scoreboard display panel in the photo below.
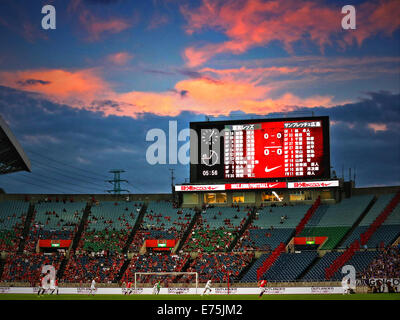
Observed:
{"x":260,"y":150}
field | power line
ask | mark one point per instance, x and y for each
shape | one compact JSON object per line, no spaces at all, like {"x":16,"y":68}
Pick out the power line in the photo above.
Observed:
{"x":68,"y":165}
{"x":49,"y":167}
{"x":46,"y":180}
{"x":33,"y":183}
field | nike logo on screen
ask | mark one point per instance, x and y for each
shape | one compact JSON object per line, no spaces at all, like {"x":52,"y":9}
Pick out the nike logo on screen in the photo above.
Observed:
{"x":272,"y":169}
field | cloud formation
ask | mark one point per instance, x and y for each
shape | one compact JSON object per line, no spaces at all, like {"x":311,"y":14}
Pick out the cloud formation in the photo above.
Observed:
{"x":96,"y":143}
{"x":256,"y":23}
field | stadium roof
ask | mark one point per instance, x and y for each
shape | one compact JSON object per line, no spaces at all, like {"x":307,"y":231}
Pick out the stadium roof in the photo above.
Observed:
{"x":12,"y":156}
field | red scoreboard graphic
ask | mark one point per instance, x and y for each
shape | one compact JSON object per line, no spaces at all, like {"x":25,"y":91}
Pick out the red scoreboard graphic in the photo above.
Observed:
{"x":266,"y":149}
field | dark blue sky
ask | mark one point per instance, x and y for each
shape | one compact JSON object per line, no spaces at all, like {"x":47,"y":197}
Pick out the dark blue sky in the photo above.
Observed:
{"x":81,"y":98}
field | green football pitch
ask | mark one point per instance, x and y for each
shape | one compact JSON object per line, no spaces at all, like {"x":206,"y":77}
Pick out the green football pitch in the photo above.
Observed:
{"x":381,"y":296}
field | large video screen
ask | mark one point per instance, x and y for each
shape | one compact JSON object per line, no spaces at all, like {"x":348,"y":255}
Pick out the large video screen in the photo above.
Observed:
{"x":260,"y":150}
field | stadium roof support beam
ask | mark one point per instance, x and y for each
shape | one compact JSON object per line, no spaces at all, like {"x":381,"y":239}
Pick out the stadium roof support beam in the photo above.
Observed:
{"x":12,"y":156}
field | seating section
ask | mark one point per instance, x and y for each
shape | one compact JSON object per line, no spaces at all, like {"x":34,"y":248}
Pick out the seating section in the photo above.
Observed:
{"x":387,"y":233}
{"x":377,"y":208}
{"x":83,"y":268}
{"x":360,"y":261}
{"x":394,"y":217}
{"x":264,"y":239}
{"x":317,"y":271}
{"x":207,"y":249}
{"x":113,"y":215}
{"x":204,"y":240}
{"x":110,"y":241}
{"x":342,"y":214}
{"x":163,"y":216}
{"x":385,"y":265}
{"x":28,"y":267}
{"x":142,"y":235}
{"x":334,"y":234}
{"x":52,"y":219}
{"x":217,"y":266}
{"x":154,"y":262}
{"x":12,"y":219}
{"x":58,"y":215}
{"x":289,"y":266}
{"x":225,"y":217}
{"x":251,"y":274}
{"x":271,"y":216}
{"x":109,"y":226}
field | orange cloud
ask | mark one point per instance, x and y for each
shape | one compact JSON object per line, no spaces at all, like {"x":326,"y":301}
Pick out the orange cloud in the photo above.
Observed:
{"x":377,"y":126}
{"x":253,"y":23}
{"x":119,"y":58}
{"x":86,"y":89}
{"x":73,"y":87}
{"x":96,"y":26}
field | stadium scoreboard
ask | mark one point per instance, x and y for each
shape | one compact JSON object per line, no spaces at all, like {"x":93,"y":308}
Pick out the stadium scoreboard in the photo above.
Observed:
{"x":260,"y":150}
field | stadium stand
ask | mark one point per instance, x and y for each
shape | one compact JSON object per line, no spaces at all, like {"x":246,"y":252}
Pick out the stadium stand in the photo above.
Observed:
{"x":163,"y":216}
{"x":360,"y":261}
{"x":12,"y":219}
{"x":154,"y":262}
{"x":251,"y":274}
{"x":386,"y":233}
{"x":385,"y":265}
{"x":54,"y":220}
{"x":84,"y":267}
{"x":317,"y":271}
{"x":334,"y":221}
{"x":162,"y":220}
{"x":265,"y":239}
{"x":100,"y":255}
{"x":289,"y":266}
{"x":209,"y":240}
{"x":27,"y":267}
{"x":109,"y":225}
{"x":217,"y":266}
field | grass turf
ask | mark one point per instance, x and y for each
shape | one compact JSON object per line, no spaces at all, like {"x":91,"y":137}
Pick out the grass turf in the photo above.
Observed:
{"x":381,"y":296}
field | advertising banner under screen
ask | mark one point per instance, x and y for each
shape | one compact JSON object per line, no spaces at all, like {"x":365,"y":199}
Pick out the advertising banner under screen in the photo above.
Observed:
{"x":265,"y":149}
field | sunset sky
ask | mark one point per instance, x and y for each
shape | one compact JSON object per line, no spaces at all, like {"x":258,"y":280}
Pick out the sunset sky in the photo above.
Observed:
{"x":81,"y":98}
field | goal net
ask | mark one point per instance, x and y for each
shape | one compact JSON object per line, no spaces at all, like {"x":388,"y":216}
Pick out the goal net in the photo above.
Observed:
{"x":167,"y":279}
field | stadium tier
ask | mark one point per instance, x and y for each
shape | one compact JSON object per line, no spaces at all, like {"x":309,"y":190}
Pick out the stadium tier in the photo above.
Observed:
{"x":163,"y":216}
{"x":317,"y":271}
{"x":251,"y":274}
{"x":54,"y":220}
{"x":154,"y":262}
{"x":108,"y":226}
{"x":289,"y":266}
{"x":360,"y":261}
{"x":272,"y":216}
{"x":28,"y":267}
{"x":264,"y":239}
{"x":12,"y":219}
{"x":84,"y":267}
{"x":218,"y":267}
{"x":108,"y":240}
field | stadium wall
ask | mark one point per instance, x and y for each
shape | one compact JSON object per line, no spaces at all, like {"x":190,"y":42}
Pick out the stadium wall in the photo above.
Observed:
{"x":224,"y":291}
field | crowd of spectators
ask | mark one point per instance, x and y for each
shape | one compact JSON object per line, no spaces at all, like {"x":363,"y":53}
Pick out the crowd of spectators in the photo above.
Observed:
{"x":203,"y":239}
{"x":83,"y":267}
{"x":154,"y":262}
{"x":218,"y":267}
{"x":386,"y":265}
{"x":28,"y":267}
{"x":106,"y":240}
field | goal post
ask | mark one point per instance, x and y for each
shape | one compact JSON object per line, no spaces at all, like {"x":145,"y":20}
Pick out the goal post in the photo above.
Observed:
{"x":137,"y":274}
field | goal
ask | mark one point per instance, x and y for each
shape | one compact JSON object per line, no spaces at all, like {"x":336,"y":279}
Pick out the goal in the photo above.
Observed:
{"x":139,"y":275}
